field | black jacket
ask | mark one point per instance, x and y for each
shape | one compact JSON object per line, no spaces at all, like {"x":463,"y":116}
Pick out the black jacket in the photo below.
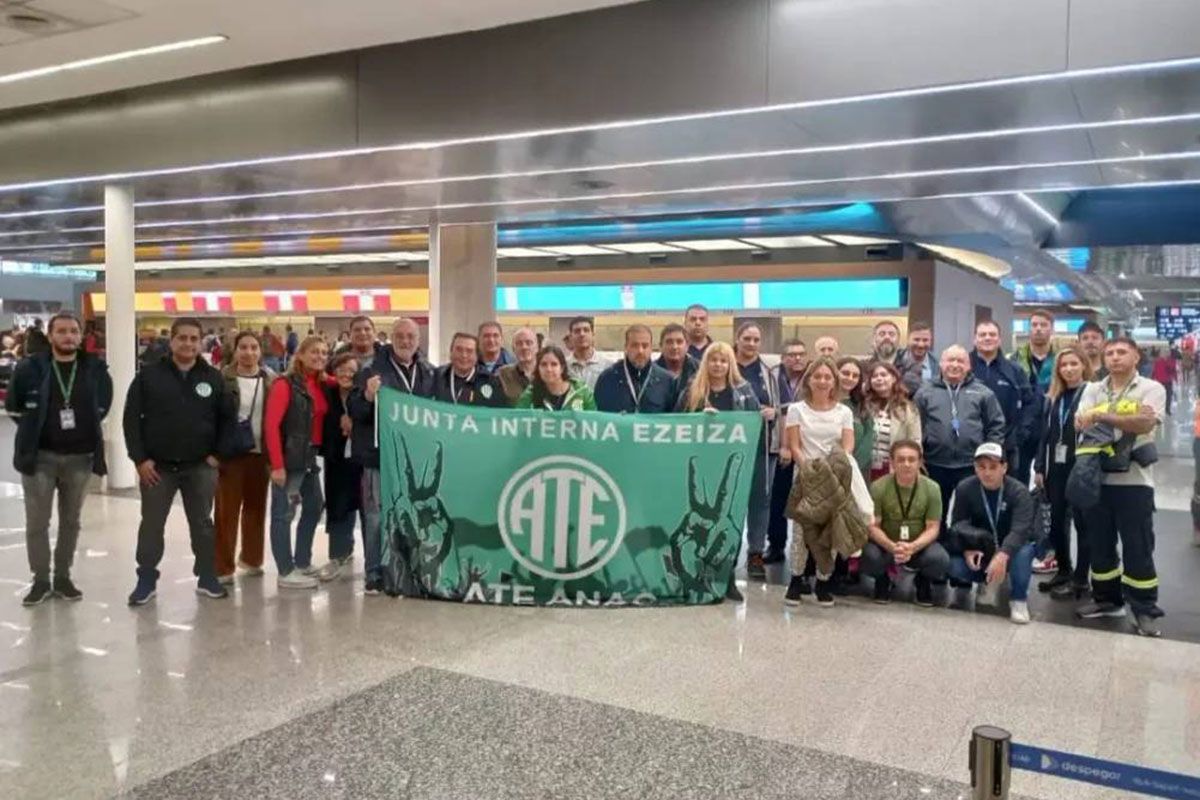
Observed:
{"x":690,"y":367}
{"x":27,"y":400}
{"x":969,"y":526}
{"x":342,"y":474}
{"x":1052,"y":434}
{"x":362,"y":411}
{"x":484,"y":390}
{"x":174,"y":418}
{"x":1020,"y":403}
{"x":613,"y":393}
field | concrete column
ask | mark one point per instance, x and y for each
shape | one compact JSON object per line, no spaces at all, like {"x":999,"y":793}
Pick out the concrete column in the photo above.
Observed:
{"x":462,"y":282}
{"x":120,"y":325}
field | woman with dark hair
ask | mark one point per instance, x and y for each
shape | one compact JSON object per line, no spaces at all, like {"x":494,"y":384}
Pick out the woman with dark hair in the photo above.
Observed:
{"x":1052,"y":467}
{"x":243,"y":474}
{"x":894,"y":417}
{"x":552,"y":388}
{"x":343,"y":475}
{"x":851,"y":383}
{"x":294,"y":431}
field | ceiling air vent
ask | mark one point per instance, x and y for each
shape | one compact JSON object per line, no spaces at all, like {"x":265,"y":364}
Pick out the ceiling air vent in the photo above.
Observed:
{"x":29,"y":23}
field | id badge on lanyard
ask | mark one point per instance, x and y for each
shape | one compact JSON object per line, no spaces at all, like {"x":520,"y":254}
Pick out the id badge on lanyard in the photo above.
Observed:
{"x":66,"y":419}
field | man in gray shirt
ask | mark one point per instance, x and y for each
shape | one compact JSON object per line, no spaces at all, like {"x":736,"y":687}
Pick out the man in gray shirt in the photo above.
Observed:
{"x":583,"y":363}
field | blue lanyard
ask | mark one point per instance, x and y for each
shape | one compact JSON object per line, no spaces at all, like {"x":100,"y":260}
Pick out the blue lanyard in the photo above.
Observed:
{"x":954,"y":424}
{"x":993,"y":521}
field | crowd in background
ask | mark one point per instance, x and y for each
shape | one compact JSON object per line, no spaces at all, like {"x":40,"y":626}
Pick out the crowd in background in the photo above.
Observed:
{"x":905,"y":463}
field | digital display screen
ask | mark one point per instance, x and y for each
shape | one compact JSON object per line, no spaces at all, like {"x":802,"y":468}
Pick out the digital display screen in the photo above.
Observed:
{"x":1172,"y":322}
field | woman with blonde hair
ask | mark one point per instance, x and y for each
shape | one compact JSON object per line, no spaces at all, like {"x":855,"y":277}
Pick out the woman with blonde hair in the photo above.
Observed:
{"x":716,"y":387}
{"x":293,"y":433}
{"x":1052,"y":466}
{"x":895,"y":417}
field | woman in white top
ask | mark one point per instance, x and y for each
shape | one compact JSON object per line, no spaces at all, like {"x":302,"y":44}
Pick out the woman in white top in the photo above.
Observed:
{"x":244,"y":474}
{"x":815,"y":426}
{"x":896,"y":418}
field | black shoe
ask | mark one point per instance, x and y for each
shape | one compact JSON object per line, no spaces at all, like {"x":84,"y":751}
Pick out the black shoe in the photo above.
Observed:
{"x":144,"y":591}
{"x":38,"y":593}
{"x":1146,"y":625}
{"x":924,"y":592}
{"x":1055,"y":582}
{"x":795,"y":590}
{"x":774,"y":556}
{"x":733,"y":594}
{"x":755,"y":568}
{"x":1100,"y":610}
{"x":824,"y":593}
{"x":66,"y":590}
{"x":883,"y":590}
{"x":374,"y":587}
{"x":1069,"y":591}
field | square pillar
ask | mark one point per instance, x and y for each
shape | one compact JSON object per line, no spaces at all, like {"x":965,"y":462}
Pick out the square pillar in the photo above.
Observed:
{"x":462,"y":282}
{"x":120,"y":329}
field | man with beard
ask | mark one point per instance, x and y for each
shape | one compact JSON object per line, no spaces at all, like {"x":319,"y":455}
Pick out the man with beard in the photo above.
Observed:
{"x":515,"y":378}
{"x":59,"y":399}
{"x":916,"y":362}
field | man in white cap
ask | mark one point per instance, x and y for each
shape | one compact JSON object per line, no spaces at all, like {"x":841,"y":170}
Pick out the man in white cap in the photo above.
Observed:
{"x":991,"y":533}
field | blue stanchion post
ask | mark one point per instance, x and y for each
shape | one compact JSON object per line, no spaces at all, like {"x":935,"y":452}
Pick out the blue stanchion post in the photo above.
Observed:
{"x":1130,"y":778}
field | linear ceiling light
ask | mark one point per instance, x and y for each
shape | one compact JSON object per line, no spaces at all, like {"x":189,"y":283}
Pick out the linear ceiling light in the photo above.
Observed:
{"x":1038,"y":208}
{"x":788,"y":241}
{"x":891,"y":176}
{"x":643,"y":247}
{"x":522,"y":252}
{"x":713,"y":244}
{"x":666,"y":162}
{"x":631,"y":123}
{"x":853,"y":241}
{"x":124,"y":55}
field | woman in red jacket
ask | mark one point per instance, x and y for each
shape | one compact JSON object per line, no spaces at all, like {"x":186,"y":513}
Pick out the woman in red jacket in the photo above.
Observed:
{"x":294,"y":429}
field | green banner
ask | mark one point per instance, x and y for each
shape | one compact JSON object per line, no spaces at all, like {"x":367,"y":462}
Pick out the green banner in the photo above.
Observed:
{"x":568,"y":508}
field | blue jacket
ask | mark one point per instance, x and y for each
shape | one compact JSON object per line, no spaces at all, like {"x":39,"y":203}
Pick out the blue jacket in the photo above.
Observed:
{"x":1018,"y":400}
{"x":613,"y":393}
{"x":27,"y":400}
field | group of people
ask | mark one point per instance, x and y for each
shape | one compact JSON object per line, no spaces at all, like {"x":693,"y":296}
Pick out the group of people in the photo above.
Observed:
{"x":909,"y":435}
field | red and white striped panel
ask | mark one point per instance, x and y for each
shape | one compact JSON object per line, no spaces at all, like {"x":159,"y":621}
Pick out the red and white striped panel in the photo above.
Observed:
{"x":359,"y":301}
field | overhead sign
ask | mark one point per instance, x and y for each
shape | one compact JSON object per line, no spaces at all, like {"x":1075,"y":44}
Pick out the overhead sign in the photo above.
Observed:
{"x":1174,"y":322}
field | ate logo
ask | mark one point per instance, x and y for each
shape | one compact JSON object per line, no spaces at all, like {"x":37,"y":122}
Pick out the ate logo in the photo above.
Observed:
{"x":562,"y":517}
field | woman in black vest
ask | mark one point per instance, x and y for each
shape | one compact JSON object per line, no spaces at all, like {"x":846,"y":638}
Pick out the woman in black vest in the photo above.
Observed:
{"x":343,"y":474}
{"x":1052,"y":466}
{"x":294,"y":430}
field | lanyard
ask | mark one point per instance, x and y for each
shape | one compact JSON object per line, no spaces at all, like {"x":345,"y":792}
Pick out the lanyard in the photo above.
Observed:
{"x":636,"y":395}
{"x":404,"y":377}
{"x":1112,"y":403}
{"x":904,"y":509}
{"x":993,"y":521}
{"x":954,"y":400}
{"x":1064,"y":411}
{"x":69,"y":385}
{"x":454,"y":389}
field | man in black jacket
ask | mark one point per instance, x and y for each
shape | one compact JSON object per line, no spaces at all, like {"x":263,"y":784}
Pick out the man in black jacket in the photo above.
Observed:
{"x":462,"y":382}
{"x":398,"y":366}
{"x":59,"y":398}
{"x":991,"y":530}
{"x":1018,"y":400}
{"x":674,"y":358}
{"x":636,"y":385}
{"x":176,"y":413}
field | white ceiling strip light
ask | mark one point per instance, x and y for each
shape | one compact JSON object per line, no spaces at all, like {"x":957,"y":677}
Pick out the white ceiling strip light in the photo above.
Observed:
{"x":124,"y":55}
{"x":633,"y":123}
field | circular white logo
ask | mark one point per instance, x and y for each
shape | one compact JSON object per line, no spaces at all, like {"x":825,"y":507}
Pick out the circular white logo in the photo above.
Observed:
{"x":577,"y":404}
{"x":562,"y":517}
{"x":486,"y":391}
{"x":204,"y":389}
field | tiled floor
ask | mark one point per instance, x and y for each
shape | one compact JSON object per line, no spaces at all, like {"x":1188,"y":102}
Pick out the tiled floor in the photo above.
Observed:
{"x":856,"y":701}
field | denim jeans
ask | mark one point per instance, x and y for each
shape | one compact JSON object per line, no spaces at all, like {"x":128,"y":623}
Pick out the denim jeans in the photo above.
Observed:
{"x":301,"y":490}
{"x":758,"y":513}
{"x":1020,"y":571}
{"x":372,"y":492}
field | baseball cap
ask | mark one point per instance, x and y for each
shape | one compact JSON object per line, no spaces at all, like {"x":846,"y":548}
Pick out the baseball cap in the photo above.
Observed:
{"x":990,"y":450}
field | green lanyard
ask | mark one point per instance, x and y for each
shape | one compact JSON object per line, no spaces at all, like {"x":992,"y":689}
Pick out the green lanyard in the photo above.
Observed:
{"x":69,"y":385}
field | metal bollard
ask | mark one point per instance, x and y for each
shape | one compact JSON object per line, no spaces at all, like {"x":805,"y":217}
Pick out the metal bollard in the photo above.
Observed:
{"x":991,"y":774}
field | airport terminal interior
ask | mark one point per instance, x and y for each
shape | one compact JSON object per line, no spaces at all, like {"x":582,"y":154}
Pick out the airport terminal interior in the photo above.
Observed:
{"x":809,"y":171}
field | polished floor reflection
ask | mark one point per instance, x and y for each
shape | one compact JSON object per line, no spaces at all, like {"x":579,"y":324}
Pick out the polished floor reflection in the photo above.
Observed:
{"x":334,"y":694}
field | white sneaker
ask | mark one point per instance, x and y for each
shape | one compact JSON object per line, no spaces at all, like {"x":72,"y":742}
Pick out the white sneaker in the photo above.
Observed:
{"x":296,"y":580}
{"x":226,"y":580}
{"x":333,"y":569}
{"x":1019,"y":612}
{"x":249,"y":570}
{"x":310,"y":570}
